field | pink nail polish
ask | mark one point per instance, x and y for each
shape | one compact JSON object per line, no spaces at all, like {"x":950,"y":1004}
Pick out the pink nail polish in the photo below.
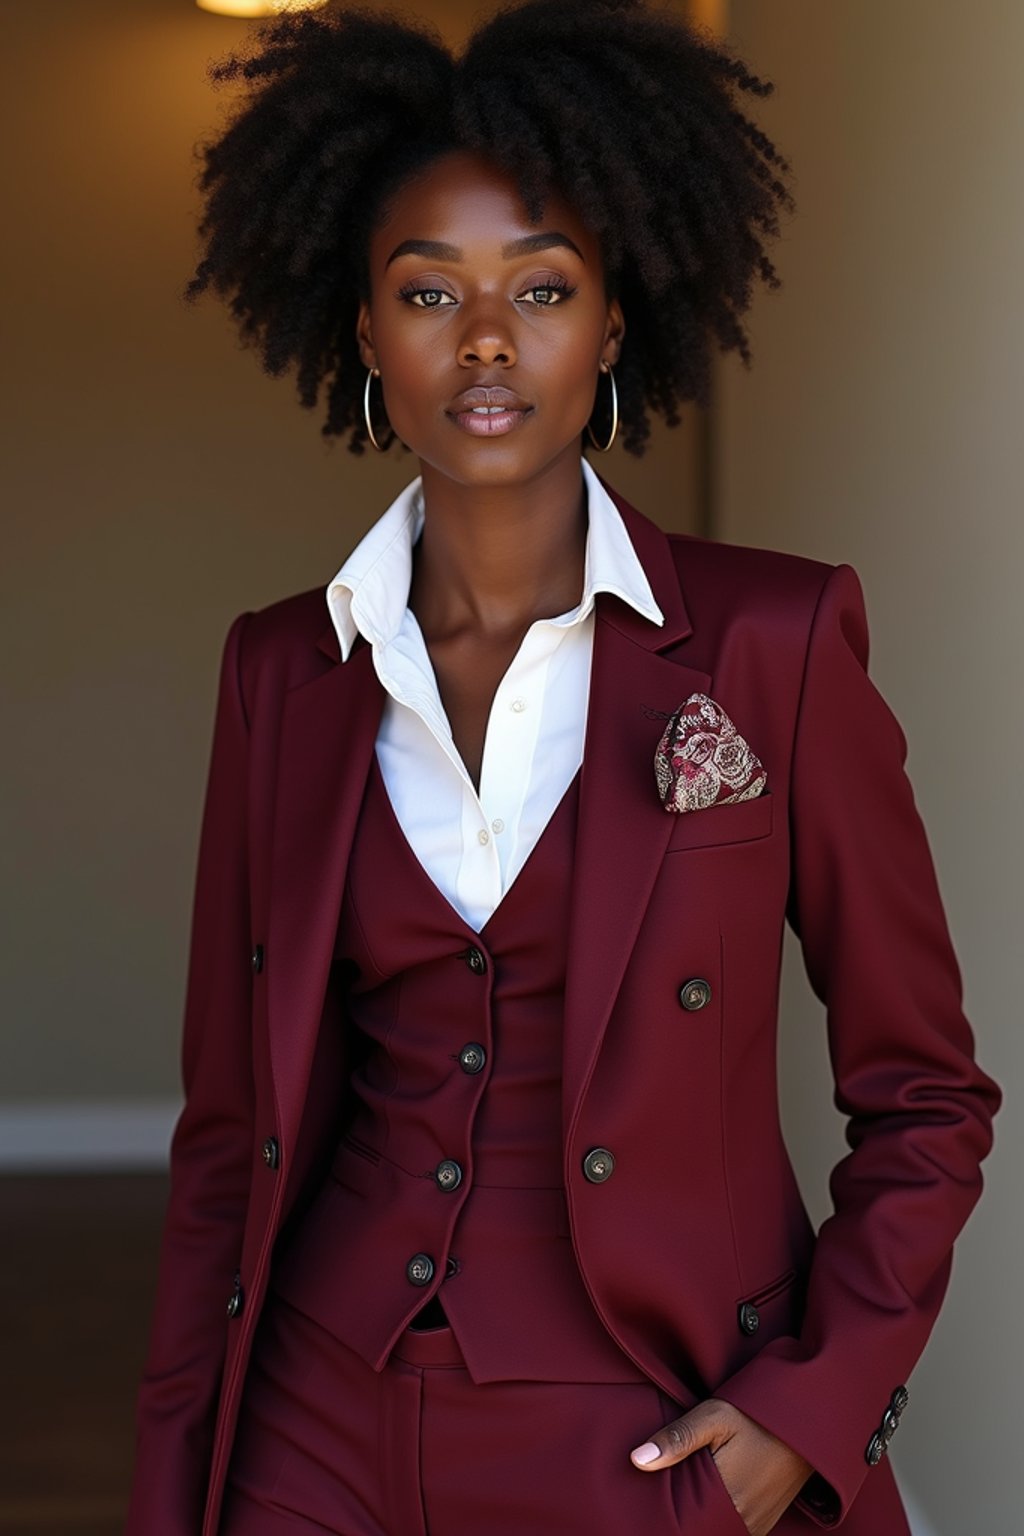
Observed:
{"x":645,"y":1453}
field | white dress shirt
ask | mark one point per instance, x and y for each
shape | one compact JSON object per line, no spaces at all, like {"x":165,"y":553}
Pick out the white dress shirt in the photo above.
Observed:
{"x":473,"y":845}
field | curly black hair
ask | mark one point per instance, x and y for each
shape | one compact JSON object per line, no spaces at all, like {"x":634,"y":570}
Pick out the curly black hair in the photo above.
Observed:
{"x":626,"y":110}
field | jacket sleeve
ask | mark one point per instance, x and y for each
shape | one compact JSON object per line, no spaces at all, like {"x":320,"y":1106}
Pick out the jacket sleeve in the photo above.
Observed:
{"x":865,"y":905}
{"x":210,"y":1152}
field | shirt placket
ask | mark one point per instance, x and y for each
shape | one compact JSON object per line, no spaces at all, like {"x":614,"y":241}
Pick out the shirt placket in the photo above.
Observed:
{"x":510,"y":744}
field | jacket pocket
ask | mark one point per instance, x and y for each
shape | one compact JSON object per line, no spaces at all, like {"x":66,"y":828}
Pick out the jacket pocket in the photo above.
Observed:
{"x":740,"y":822}
{"x":773,"y":1303}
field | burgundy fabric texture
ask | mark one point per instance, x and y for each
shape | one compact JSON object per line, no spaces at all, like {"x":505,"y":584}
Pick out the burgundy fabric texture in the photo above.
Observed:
{"x":327,"y":1447}
{"x":702,"y":1216}
{"x":505,"y":1271}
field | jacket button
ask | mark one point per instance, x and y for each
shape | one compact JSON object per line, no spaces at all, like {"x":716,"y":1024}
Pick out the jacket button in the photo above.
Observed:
{"x":695,"y":993}
{"x":236,"y":1298}
{"x":448,"y":1174}
{"x":475,"y":959}
{"x":899,"y":1400}
{"x":452,"y":1267}
{"x":875,"y":1450}
{"x":598,"y":1165}
{"x":750,"y":1318}
{"x":420,"y":1269}
{"x":472,"y":1057}
{"x":257,"y":957}
{"x":271,"y":1152}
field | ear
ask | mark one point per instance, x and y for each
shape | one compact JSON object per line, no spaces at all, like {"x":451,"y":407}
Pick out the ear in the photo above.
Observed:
{"x":614,"y":330}
{"x":364,"y":336}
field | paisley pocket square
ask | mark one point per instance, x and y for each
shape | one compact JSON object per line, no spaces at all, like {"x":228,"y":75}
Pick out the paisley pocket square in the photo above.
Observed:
{"x":703,"y":760}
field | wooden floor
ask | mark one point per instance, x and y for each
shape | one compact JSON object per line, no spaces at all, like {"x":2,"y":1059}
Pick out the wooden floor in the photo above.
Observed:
{"x":76,"y":1287}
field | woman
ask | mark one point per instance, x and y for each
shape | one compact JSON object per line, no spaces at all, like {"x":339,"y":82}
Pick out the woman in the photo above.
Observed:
{"x":481,"y":1145}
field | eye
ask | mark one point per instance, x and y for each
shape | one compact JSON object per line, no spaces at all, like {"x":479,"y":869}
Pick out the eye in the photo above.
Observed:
{"x":556,"y":290}
{"x":431,"y":296}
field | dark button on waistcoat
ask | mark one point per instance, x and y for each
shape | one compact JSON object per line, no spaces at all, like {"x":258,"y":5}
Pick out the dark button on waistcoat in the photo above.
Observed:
{"x":448,"y":1174}
{"x":420,"y":1269}
{"x":459,"y":1072}
{"x":475,"y":959}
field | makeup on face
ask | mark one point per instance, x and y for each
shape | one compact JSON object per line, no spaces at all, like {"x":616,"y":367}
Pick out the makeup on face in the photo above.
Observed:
{"x":488,"y":329}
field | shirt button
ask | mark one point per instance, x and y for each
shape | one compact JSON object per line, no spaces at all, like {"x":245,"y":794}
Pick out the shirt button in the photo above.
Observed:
{"x":483,"y":836}
{"x":497,"y":825}
{"x":472,"y":1057}
{"x":448,"y":1174}
{"x":518,"y":705}
{"x":420,"y":1269}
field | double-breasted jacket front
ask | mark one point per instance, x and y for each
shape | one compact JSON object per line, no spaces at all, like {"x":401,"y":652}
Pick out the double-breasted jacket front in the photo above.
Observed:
{"x":697,"y":1251}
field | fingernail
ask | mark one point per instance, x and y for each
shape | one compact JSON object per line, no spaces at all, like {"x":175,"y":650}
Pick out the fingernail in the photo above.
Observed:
{"x":645,"y":1453}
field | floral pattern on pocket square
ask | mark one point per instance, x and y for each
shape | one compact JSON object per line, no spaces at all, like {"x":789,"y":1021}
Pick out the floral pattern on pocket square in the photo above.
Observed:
{"x":703,"y":760}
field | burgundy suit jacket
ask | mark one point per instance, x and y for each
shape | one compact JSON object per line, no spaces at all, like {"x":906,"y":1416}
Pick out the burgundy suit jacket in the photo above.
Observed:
{"x":702,"y":1213}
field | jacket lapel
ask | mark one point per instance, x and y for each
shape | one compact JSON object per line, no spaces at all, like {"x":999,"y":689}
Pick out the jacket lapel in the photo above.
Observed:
{"x":622,"y":829}
{"x":327,"y":736}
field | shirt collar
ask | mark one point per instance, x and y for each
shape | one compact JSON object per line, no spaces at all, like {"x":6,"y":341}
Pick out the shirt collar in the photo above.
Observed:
{"x":370,"y":593}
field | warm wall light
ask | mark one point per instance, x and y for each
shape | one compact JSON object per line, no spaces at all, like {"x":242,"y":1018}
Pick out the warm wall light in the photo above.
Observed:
{"x":256,"y":7}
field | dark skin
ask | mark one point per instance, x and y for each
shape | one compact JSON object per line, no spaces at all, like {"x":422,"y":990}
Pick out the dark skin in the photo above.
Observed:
{"x":505,"y":534}
{"x":505,"y":538}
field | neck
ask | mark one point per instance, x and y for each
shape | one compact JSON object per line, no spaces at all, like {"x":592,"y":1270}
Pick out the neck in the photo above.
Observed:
{"x":492,"y":559}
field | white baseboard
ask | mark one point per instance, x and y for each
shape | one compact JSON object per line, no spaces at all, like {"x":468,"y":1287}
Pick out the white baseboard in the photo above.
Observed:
{"x":86,"y":1136}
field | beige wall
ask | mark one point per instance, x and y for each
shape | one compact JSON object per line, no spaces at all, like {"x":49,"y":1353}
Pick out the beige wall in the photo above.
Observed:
{"x":880,"y":426}
{"x":157,"y":483}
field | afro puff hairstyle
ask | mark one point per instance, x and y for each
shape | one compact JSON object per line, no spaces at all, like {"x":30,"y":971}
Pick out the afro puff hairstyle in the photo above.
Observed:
{"x":627,"y":110}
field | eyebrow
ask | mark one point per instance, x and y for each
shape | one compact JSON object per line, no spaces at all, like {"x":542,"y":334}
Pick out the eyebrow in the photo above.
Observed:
{"x":440,"y":250}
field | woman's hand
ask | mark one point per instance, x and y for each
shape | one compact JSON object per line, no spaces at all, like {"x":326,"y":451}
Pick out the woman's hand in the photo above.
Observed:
{"x":761,"y":1473}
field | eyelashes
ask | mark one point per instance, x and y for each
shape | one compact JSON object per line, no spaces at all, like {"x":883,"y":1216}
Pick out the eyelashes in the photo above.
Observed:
{"x":560,"y":286}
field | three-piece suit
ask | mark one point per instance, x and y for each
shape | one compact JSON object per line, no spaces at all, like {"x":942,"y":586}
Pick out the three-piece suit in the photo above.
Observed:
{"x":583,"y":1159}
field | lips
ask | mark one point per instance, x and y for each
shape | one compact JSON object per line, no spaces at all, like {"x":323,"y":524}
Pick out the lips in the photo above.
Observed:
{"x":489,"y":410}
{"x":492,"y":397}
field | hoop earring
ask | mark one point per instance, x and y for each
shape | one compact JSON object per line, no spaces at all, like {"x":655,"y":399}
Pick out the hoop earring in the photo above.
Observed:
{"x":607,"y":368}
{"x":371,"y":373}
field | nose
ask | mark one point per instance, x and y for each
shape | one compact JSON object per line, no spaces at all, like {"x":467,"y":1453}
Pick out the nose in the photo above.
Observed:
{"x":486,"y":337}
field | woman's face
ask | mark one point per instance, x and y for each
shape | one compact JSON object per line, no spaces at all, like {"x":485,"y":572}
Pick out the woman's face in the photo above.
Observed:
{"x":466,"y":293}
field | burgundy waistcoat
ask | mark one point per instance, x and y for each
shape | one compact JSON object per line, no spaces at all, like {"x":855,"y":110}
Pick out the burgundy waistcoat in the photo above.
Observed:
{"x":448,"y":1178}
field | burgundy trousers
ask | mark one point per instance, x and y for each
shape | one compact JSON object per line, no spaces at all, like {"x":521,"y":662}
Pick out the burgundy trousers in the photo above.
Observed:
{"x":326,"y":1446}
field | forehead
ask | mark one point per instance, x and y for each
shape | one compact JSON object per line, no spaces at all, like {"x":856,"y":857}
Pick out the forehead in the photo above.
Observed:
{"x":470,"y":202}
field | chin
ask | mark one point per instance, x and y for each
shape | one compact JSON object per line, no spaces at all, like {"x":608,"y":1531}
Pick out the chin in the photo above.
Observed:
{"x":501,"y":462}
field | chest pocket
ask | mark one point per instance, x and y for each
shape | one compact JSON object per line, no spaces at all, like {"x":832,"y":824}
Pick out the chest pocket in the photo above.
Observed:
{"x":743,"y":821}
